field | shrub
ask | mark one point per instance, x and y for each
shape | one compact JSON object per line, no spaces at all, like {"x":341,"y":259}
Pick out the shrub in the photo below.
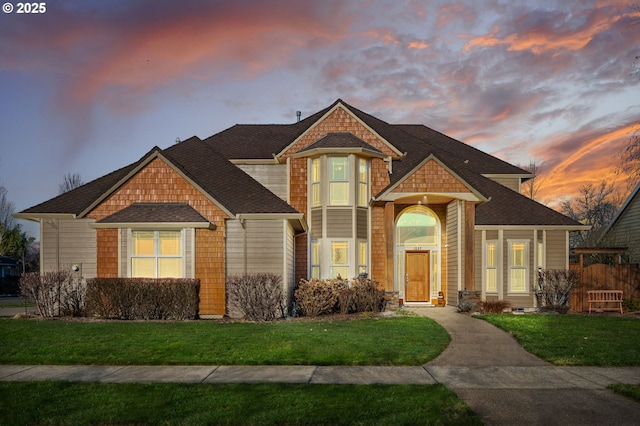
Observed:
{"x":495,"y":306}
{"x":367,"y":296}
{"x":256,"y":297}
{"x":316,"y":297}
{"x":555,"y":287}
{"x":143,"y":298}
{"x":631,"y":305}
{"x":54,"y":293}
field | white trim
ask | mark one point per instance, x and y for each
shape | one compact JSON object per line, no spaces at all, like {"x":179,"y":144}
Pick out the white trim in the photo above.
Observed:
{"x":394,"y":196}
{"x":527,"y":259}
{"x":500,"y":256}
{"x":154,"y":225}
{"x":533,"y":227}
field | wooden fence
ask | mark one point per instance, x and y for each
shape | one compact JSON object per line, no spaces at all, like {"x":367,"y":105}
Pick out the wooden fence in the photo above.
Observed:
{"x":622,"y":276}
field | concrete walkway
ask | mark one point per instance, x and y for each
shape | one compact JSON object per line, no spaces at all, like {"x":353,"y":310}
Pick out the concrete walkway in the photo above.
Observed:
{"x":484,"y":366}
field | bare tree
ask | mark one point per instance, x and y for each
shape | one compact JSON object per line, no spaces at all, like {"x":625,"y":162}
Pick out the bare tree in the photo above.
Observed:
{"x":595,"y":206}
{"x":530,"y":187}
{"x":70,"y":182}
{"x":629,"y":161}
{"x":6,"y":210}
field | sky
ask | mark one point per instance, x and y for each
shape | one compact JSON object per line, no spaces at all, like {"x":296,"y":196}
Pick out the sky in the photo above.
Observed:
{"x":91,"y":86}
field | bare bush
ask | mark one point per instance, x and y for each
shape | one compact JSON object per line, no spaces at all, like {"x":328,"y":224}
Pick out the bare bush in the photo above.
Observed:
{"x":143,"y":298}
{"x":256,"y":297}
{"x":368,"y":296}
{"x":54,"y":293}
{"x":555,"y":287}
{"x":316,"y":297}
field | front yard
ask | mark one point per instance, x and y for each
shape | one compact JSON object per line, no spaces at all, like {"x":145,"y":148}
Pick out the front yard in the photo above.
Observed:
{"x":370,"y":341}
{"x":572,"y":340}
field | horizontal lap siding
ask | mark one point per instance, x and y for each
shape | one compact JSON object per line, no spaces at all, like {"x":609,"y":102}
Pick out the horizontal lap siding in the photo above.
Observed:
{"x":271,"y":176}
{"x":452,"y":275}
{"x":556,"y":256}
{"x":235,"y":248}
{"x":339,"y":223}
{"x":265,"y":246}
{"x":68,"y":242}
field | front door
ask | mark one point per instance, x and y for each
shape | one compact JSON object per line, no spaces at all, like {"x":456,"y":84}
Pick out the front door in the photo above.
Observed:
{"x":416,"y":266}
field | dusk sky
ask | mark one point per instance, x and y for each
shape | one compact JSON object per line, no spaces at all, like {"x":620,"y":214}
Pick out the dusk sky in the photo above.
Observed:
{"x":90,"y":86}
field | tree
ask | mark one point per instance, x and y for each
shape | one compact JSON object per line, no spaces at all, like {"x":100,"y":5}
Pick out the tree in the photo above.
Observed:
{"x":6,"y":210}
{"x":70,"y":182}
{"x":629,"y":161}
{"x":596,"y":207}
{"x":530,"y":187}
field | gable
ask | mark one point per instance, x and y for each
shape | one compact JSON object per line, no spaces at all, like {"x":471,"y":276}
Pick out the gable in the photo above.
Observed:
{"x":157,"y":182}
{"x":431,"y":177}
{"x":339,"y":120}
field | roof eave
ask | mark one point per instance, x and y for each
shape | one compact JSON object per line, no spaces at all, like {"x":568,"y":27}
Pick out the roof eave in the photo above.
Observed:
{"x":154,"y":225}
{"x":37,"y":216}
{"x":320,"y":151}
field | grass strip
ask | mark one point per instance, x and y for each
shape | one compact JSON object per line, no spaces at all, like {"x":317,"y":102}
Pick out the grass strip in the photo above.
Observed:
{"x":73,"y":403}
{"x":630,"y":391}
{"x":571,"y":340}
{"x":371,"y":341}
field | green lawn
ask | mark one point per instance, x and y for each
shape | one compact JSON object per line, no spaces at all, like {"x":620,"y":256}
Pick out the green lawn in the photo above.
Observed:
{"x":372,"y":341}
{"x":571,"y":340}
{"x":63,"y":403}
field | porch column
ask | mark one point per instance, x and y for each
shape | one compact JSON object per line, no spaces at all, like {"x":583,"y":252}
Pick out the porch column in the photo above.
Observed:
{"x":389,"y":225}
{"x":469,"y":240}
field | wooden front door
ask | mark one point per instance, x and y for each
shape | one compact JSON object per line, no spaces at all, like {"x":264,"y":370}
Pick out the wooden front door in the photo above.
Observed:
{"x":416,"y":266}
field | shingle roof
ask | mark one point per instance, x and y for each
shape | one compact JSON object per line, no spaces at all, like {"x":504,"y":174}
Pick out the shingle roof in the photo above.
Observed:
{"x":230,"y":186}
{"x":340,"y":140}
{"x":156,"y":212}
{"x":239,"y":193}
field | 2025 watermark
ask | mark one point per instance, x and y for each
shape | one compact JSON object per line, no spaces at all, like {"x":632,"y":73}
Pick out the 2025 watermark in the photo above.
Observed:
{"x":36,"y":7}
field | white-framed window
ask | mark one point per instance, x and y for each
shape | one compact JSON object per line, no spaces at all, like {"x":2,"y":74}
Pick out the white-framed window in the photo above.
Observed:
{"x":518,"y":266}
{"x":339,"y":259}
{"x":540,"y":254}
{"x":315,"y":259}
{"x":339,"y":181}
{"x":156,"y":254}
{"x":363,"y":182}
{"x":362,"y":257}
{"x":315,"y":182}
{"x":491,"y":266}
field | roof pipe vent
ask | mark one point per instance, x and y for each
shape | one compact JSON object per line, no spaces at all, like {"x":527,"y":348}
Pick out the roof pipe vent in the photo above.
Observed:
{"x":298,"y":115}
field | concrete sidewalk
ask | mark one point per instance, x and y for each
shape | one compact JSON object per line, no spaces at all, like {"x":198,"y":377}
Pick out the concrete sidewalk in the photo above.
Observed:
{"x":484,"y":366}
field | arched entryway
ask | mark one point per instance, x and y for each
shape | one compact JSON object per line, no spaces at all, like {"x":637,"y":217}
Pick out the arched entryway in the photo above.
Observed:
{"x":418,"y":255}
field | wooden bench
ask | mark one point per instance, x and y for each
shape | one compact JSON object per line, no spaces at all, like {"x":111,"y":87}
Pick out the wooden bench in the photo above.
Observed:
{"x":604,"y":299}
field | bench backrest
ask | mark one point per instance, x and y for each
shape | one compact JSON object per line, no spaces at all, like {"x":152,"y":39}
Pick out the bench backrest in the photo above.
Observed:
{"x":603,"y":295}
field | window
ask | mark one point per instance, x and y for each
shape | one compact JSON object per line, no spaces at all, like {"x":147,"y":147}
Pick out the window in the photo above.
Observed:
{"x":363,"y":182}
{"x":315,"y":182}
{"x":518,"y":266}
{"x":156,"y":254}
{"x":416,"y":228}
{"x":540,"y":254}
{"x":491,"y":267}
{"x":340,"y":259}
{"x":362,"y":257}
{"x":338,"y":181}
{"x":315,"y":259}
